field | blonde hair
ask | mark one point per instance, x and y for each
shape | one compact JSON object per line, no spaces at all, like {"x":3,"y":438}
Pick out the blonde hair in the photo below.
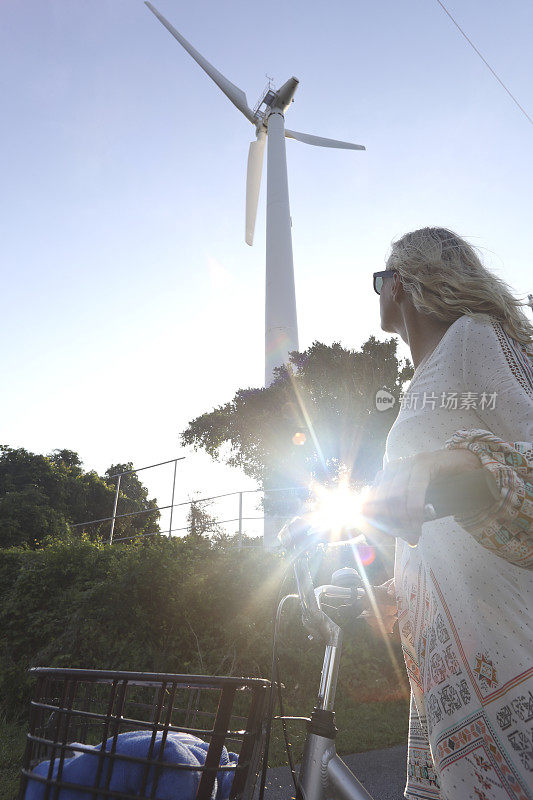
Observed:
{"x":445,"y":277}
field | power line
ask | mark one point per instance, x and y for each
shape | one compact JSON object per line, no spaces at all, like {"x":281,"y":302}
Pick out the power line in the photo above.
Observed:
{"x":471,"y":43}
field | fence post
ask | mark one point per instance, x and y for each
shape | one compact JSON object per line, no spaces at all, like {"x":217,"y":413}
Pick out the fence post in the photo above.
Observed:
{"x":114,"y":510}
{"x":172,"y":502}
{"x":240,"y":520}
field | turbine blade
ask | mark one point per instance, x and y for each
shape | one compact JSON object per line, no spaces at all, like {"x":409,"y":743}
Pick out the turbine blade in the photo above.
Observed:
{"x":236,"y":95}
{"x":253,"y":184}
{"x":319,"y":141}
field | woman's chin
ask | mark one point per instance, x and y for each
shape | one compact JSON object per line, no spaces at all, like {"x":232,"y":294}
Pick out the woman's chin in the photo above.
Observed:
{"x":386,"y":326}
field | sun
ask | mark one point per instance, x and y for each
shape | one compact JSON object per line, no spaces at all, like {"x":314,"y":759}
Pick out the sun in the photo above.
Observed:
{"x":337,"y":509}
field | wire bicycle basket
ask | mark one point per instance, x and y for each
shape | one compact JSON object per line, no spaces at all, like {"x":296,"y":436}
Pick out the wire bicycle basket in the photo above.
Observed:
{"x":95,"y":735}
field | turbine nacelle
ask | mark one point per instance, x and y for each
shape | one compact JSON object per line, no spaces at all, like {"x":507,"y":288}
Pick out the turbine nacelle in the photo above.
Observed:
{"x":284,"y":95}
{"x":275,"y":100}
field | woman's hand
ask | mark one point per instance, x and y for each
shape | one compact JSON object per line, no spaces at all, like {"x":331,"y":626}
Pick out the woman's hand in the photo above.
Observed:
{"x":381,"y":612}
{"x":395,"y":502}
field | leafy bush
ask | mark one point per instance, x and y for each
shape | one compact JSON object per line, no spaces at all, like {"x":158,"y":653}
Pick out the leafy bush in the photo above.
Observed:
{"x":192,"y":605}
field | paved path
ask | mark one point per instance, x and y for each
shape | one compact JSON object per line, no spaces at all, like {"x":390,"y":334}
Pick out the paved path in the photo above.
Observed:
{"x":382,"y":773}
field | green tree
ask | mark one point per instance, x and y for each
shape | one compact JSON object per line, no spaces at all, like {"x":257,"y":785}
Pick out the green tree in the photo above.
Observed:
{"x":42,"y":496}
{"x":317,"y":416}
{"x":200,"y":522}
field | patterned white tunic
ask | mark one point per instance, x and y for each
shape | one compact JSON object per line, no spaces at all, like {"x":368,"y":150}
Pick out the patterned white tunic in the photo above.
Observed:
{"x":465,"y":593}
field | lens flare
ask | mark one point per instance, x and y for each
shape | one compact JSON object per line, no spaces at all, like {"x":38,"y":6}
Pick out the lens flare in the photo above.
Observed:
{"x":299,"y":438}
{"x":338,"y":509}
{"x":367,"y":553}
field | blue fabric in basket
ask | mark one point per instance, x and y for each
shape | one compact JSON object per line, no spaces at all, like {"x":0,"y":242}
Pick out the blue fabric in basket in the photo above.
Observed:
{"x":173,"y":784}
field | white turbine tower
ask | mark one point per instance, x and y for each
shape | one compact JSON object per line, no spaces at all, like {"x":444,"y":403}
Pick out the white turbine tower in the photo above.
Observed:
{"x":281,"y":328}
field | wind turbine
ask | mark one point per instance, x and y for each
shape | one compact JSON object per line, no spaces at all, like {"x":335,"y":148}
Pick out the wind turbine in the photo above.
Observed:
{"x":268,"y":117}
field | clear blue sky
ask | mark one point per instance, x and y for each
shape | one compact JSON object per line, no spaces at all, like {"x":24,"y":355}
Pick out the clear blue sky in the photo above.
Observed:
{"x":130,"y":301}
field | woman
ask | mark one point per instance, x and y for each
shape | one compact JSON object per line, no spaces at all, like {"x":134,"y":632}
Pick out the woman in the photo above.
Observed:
{"x":464,"y":586}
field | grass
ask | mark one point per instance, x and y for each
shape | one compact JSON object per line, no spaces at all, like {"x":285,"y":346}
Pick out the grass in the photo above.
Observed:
{"x":362,"y":726}
{"x":12,"y":738}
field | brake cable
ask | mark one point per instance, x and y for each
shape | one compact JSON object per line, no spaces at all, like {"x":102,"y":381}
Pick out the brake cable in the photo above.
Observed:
{"x":280,"y":602}
{"x":288,"y":746}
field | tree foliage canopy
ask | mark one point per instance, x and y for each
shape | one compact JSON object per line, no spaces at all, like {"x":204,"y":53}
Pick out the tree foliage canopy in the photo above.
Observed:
{"x":41,"y":496}
{"x":318,"y":415}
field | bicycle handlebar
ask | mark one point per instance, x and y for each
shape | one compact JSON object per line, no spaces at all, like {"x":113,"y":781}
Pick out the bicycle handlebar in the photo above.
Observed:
{"x":464,"y":493}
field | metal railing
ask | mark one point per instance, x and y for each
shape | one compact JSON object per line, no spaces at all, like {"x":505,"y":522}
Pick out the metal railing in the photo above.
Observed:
{"x":119,"y":475}
{"x":240,"y":518}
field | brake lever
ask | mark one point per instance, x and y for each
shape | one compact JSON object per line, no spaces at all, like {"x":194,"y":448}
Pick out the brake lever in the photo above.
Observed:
{"x":351,"y":603}
{"x":331,"y":591}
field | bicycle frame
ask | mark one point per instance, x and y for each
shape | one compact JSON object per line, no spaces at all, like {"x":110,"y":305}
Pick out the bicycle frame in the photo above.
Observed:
{"x":323,"y":774}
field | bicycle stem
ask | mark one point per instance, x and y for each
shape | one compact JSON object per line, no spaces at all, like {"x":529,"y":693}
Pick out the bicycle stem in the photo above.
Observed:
{"x":323,"y":774}
{"x":319,"y":624}
{"x":328,"y":679}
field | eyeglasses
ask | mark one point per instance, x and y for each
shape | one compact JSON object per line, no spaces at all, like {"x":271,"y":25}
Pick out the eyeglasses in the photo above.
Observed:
{"x":378,"y":278}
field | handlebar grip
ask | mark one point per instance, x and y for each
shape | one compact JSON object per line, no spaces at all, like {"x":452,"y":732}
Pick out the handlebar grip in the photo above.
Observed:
{"x":465,"y":493}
